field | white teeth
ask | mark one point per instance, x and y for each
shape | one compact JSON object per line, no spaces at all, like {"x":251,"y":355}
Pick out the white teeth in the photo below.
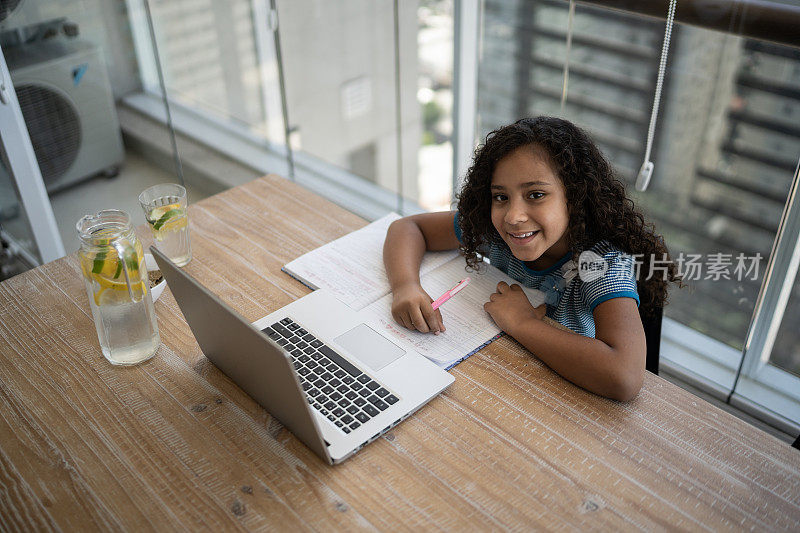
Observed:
{"x":522,"y":235}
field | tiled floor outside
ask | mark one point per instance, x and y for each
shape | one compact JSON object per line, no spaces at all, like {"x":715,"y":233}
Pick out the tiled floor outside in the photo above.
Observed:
{"x":120,"y":192}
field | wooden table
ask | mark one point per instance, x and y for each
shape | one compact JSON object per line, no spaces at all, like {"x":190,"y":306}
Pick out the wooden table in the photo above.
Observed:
{"x":174,"y":444}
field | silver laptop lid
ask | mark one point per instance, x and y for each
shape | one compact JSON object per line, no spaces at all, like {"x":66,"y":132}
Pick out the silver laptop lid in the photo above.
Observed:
{"x":253,"y":361}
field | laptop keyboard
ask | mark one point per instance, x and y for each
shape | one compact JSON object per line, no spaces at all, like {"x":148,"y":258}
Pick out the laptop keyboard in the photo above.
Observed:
{"x":334,"y":387}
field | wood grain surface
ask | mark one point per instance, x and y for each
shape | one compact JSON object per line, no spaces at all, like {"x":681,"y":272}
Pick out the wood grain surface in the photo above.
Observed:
{"x":173,"y":444}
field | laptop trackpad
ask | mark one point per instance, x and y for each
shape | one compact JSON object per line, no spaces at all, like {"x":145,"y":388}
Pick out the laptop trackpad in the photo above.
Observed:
{"x":371,"y":348}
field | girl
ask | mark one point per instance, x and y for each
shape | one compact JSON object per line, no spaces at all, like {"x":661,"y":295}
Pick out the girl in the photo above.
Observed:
{"x":538,"y":197}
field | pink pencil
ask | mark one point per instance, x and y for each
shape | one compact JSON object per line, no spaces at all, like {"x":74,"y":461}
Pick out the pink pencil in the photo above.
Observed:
{"x":449,"y":294}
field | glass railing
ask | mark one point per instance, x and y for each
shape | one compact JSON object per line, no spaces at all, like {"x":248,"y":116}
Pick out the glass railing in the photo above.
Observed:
{"x":358,"y":93}
{"x":69,"y":63}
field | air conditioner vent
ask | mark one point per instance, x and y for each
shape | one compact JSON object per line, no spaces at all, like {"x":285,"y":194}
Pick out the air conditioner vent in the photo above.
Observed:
{"x":54,"y":128}
{"x":68,"y":107}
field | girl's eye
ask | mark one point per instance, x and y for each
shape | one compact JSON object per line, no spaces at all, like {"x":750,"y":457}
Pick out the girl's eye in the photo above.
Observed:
{"x":499,"y":198}
{"x":536,"y":195}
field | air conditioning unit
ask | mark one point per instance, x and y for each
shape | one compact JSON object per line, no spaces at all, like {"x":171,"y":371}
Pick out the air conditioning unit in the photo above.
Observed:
{"x":68,"y":107}
{"x":16,"y":14}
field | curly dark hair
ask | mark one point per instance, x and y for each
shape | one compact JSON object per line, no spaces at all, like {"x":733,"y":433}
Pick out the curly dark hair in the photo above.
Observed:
{"x":599,"y":208}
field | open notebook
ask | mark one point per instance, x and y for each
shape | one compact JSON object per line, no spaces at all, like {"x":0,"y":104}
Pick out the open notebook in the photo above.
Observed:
{"x":352,"y":269}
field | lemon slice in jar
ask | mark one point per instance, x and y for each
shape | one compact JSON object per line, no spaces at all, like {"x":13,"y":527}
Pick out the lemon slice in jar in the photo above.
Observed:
{"x":104,"y":269}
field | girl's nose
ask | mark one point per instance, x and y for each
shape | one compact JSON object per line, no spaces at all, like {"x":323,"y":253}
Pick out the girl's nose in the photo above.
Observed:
{"x":516,"y":213}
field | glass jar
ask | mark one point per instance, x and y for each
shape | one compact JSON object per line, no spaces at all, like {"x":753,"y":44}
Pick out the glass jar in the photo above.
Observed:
{"x":115,"y":275}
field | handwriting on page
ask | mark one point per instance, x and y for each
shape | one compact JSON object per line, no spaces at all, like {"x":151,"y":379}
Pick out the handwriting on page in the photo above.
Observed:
{"x":467,"y":325}
{"x":343,"y":277}
{"x":443,"y":348}
{"x":352,"y":268}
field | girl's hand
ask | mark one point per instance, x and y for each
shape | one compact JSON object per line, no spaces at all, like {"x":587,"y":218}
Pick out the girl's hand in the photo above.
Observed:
{"x":509,"y":306}
{"x":411,"y":307}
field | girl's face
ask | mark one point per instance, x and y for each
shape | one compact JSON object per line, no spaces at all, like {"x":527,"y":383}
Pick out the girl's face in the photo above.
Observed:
{"x":529,"y":207}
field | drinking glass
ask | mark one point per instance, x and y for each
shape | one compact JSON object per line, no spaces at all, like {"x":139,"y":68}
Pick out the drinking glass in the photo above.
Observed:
{"x":115,"y":276}
{"x":165,"y":211}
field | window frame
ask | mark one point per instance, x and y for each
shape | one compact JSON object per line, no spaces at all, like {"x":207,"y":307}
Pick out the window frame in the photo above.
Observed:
{"x":24,"y":170}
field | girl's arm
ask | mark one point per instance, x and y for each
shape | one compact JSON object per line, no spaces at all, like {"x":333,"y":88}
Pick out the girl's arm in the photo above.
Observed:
{"x":406,"y":242}
{"x":612,"y":364}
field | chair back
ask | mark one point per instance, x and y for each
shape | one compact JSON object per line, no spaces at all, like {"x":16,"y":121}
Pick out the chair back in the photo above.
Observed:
{"x":652,"y":334}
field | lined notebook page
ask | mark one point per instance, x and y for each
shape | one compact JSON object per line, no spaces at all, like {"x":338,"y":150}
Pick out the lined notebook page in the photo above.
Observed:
{"x":351,"y":267}
{"x":468,"y":326}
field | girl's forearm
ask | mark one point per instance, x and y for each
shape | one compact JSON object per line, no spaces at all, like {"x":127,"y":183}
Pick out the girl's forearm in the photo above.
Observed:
{"x":402,"y":252}
{"x":587,"y":362}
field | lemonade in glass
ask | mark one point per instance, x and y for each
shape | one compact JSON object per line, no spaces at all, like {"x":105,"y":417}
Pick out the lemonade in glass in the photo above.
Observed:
{"x":115,"y":276}
{"x":165,"y":211}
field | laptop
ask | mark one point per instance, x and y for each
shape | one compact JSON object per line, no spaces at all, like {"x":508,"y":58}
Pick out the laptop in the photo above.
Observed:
{"x":332,"y":379}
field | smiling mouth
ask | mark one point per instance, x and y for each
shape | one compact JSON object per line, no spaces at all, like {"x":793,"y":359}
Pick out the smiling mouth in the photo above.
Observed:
{"x":523,"y":236}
